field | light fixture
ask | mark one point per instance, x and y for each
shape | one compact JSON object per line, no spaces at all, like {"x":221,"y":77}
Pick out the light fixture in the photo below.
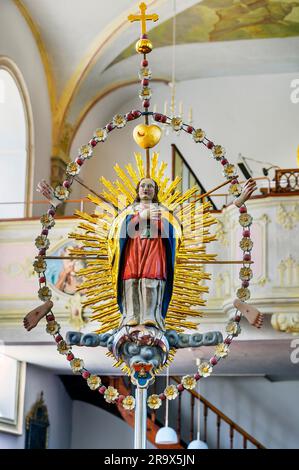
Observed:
{"x":166,"y":435}
{"x":197,"y":443}
{"x":172,"y":110}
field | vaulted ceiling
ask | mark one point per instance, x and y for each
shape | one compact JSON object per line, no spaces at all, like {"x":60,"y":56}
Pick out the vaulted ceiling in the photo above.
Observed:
{"x":87,"y":46}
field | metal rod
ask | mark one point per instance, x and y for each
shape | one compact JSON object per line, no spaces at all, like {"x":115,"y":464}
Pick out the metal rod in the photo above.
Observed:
{"x":105,"y":257}
{"x":72,"y":257}
{"x":140,"y":418}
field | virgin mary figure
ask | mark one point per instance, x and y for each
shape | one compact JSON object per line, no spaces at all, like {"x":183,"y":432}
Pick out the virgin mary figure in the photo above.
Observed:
{"x":144,"y":240}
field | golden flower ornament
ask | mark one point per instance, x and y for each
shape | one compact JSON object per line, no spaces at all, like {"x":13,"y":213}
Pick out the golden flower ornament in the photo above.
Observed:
{"x":229,"y":170}
{"x":63,"y":347}
{"x":93,"y":382}
{"x":246,"y":244}
{"x":154,"y":402}
{"x":205,"y":369}
{"x":245,"y":219}
{"x":233,"y":328}
{"x":145,"y":72}
{"x":243,"y":294}
{"x":52,"y":327}
{"x":221,"y":350}
{"x":73,"y":169}
{"x":100,"y":135}
{"x":171,"y":392}
{"x":61,"y":192}
{"x":189,"y":382}
{"x":77,"y":365}
{"x":86,"y":151}
{"x":245,"y":274}
{"x":235,"y":189}
{"x":176,"y":123}
{"x":39,"y":265}
{"x":44,"y":293}
{"x":47,"y":221}
{"x":198,"y":135}
{"x":111,"y":394}
{"x":218,"y":152}
{"x":42,"y":242}
{"x":119,"y":121}
{"x":128,"y":403}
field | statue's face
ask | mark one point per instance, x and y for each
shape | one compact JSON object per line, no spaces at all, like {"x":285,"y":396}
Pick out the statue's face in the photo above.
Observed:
{"x":146,"y":190}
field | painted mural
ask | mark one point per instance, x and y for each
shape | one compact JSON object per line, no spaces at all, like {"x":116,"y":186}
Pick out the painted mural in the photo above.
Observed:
{"x":227,"y":20}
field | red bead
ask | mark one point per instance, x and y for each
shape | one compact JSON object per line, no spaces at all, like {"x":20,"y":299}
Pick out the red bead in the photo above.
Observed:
{"x":50,"y":317}
{"x":197,"y":376}
{"x":162,"y":396}
{"x":213,"y":361}
{"x":79,"y":161}
{"x":210,"y":145}
{"x":227,"y":341}
{"x":93,"y":142}
{"x":190,"y":129}
{"x":66,"y":184}
{"x":237,"y":317}
{"x":245,"y":283}
{"x":110,"y":127}
{"x":136,"y":113}
{"x":243,"y":210}
{"x":224,"y":161}
{"x":145,"y":82}
{"x":157,"y":117}
{"x":42,"y":279}
{"x":85,"y":374}
{"x":247,"y":257}
{"x":144,"y":63}
{"x":234,"y":181}
{"x":180,"y":387}
{"x":163,"y":118}
{"x":58,"y":338}
{"x":246,"y":233}
{"x":144,"y":36}
{"x":42,"y":252}
{"x":102,"y":389}
{"x":129,"y":117}
{"x":45,"y":231}
{"x":146,"y":104}
{"x":51,"y":212}
{"x":70,"y":357}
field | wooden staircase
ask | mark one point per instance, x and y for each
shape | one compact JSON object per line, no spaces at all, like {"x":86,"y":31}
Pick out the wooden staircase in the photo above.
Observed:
{"x":208,"y":408}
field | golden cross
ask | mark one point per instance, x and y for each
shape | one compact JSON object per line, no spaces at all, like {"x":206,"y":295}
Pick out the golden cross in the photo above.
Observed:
{"x":143,"y":17}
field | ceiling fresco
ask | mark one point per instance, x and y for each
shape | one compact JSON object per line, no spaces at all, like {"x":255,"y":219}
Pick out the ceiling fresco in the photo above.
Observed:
{"x":227,"y":20}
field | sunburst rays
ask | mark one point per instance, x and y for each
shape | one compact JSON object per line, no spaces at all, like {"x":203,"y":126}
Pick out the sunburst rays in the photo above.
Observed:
{"x":192,"y":221}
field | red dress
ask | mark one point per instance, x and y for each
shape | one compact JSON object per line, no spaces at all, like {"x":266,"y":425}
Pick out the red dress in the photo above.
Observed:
{"x":145,"y":257}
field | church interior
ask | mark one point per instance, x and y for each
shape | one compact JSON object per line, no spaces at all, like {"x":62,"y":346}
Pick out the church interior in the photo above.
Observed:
{"x":229,"y":67}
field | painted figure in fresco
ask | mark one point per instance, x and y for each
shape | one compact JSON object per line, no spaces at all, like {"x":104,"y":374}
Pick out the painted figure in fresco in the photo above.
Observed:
{"x":147,"y":244}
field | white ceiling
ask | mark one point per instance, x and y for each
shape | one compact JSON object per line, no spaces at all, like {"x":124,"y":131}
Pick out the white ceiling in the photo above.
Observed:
{"x":88,"y":35}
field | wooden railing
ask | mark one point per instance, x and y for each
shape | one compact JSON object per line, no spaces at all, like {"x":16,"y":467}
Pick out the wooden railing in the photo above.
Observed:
{"x":220,"y":417}
{"x":287,"y":180}
{"x":153,"y":425}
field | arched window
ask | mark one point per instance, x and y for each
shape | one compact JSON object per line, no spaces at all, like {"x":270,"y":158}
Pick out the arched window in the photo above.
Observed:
{"x":15,"y":142}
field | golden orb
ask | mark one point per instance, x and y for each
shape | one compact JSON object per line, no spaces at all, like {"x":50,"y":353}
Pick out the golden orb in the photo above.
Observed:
{"x":147,"y":136}
{"x":144,"y":46}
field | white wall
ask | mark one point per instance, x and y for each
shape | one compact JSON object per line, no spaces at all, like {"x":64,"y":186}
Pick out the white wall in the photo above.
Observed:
{"x":249,"y":114}
{"x":59,"y":408}
{"x":266,"y":410}
{"x":17,"y":43}
{"x":94,"y":428}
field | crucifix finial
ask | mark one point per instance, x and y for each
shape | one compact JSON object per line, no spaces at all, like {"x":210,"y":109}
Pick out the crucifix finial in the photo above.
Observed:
{"x":143,"y":18}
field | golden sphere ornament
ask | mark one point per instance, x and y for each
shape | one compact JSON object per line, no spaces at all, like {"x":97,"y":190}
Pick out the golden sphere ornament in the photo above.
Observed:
{"x":144,"y":46}
{"x":147,"y":136}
